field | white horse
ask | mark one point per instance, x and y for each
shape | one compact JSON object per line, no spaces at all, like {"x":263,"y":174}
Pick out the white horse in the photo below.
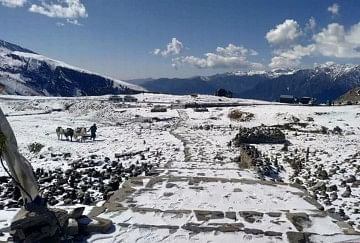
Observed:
{"x":80,"y":134}
{"x":60,"y":133}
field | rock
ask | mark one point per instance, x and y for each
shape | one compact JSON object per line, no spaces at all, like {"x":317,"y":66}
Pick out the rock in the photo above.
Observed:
{"x":37,"y":227}
{"x":332,"y":188}
{"x":47,"y":179}
{"x":66,"y":155}
{"x":347,"y":192}
{"x":67,"y":201}
{"x":323,"y":175}
{"x":356,"y":184}
{"x":351,"y":179}
{"x":299,"y":220}
{"x":327,"y":202}
{"x":333,"y":196}
{"x":272,"y":233}
{"x":89,"y":226}
{"x":251,"y":216}
{"x":4,"y":179}
{"x":168,"y":194}
{"x":87,"y":199}
{"x":197,"y":228}
{"x":253,"y":231}
{"x":274,"y":214}
{"x":319,"y":186}
{"x":202,"y":215}
{"x":76,"y":212}
{"x":230,"y":215}
{"x":297,"y":237}
{"x":343,"y":183}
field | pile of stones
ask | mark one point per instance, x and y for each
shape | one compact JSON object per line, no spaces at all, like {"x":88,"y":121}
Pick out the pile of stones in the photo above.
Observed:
{"x":260,"y":135}
{"x":241,"y":116}
{"x":85,"y":182}
{"x":251,"y":157}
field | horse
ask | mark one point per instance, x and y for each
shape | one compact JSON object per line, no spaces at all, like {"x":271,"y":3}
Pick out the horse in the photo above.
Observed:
{"x":69,"y":132}
{"x":80,"y":134}
{"x":59,"y":133}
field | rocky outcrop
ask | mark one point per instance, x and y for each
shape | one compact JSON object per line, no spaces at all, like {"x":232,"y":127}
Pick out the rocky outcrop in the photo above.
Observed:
{"x":350,"y":98}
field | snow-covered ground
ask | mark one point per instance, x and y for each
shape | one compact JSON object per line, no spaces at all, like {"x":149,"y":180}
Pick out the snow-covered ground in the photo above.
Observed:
{"x":196,"y":191}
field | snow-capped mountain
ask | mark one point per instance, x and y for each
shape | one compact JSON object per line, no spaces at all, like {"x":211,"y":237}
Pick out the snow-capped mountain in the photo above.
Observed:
{"x":325,"y":82}
{"x":24,"y":72}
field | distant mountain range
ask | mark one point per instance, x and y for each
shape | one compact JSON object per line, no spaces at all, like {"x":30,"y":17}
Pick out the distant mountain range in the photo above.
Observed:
{"x":24,"y":72}
{"x":326,"y":82}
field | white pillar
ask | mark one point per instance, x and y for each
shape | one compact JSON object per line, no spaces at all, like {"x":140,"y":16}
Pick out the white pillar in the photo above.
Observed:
{"x":17,"y":164}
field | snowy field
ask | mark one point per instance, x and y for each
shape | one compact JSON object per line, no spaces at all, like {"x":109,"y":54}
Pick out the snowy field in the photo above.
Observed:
{"x":180,"y":179}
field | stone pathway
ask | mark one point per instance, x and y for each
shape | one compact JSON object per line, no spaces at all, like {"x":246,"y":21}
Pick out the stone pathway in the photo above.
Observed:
{"x":203,"y":200}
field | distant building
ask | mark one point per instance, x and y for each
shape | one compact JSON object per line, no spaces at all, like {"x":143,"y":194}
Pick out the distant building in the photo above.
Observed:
{"x":290,"y":99}
{"x":224,"y":93}
{"x":307,"y":100}
{"x":130,"y":98}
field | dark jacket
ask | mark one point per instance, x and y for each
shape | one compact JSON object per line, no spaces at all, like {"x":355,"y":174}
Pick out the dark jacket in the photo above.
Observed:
{"x":93,"y":129}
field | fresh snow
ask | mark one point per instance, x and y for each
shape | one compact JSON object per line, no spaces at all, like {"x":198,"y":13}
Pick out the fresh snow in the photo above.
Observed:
{"x":196,"y":166}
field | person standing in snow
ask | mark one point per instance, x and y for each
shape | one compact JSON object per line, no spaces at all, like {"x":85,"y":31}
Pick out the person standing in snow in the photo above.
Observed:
{"x":93,"y":129}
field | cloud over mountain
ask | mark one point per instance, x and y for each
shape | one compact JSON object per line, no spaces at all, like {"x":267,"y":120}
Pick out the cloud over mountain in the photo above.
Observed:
{"x":231,"y":56}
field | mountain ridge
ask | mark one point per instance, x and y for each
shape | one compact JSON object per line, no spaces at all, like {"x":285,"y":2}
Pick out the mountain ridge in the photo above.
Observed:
{"x":24,"y":72}
{"x":324,"y":82}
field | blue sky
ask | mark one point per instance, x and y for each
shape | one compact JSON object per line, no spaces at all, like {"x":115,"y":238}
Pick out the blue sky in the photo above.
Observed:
{"x":130,"y":39}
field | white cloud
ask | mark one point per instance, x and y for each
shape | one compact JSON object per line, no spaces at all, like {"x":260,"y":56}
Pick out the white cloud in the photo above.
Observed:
{"x":68,"y":9}
{"x":232,"y":50}
{"x":13,"y":3}
{"x":175,"y":47}
{"x":74,"y":22}
{"x":334,"y":41}
{"x":311,"y":24}
{"x":291,"y":57}
{"x":353,"y":36}
{"x":334,"y":9}
{"x":284,"y":33}
{"x":231,"y":56}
